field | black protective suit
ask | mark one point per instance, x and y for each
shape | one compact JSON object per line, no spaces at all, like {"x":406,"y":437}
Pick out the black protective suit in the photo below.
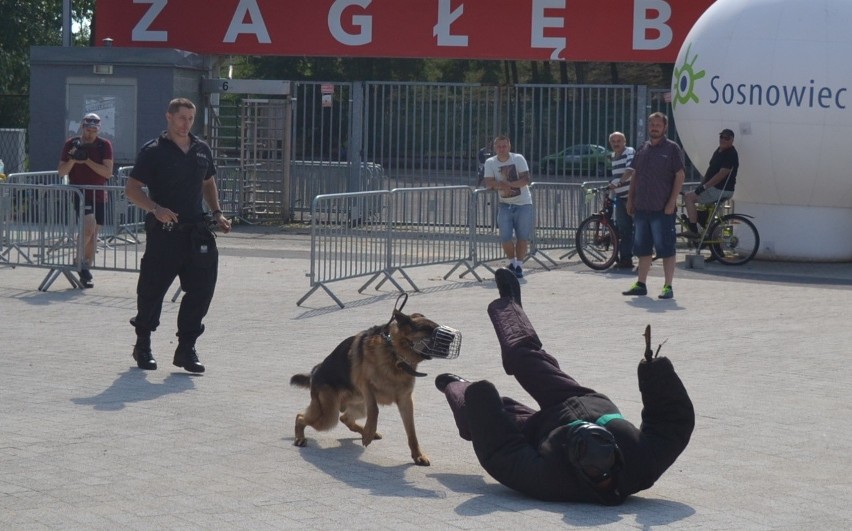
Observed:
{"x":524,"y":449}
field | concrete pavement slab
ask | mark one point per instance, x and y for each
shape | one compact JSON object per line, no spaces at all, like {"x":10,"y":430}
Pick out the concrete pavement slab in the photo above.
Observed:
{"x":88,"y":441}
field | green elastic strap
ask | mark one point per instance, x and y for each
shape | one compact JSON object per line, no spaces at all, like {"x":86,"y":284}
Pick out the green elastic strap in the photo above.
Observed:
{"x":601,"y":420}
{"x":606,"y":418}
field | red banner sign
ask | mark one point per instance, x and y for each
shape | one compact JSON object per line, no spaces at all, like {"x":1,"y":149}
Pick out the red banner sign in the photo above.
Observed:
{"x":573,"y":30}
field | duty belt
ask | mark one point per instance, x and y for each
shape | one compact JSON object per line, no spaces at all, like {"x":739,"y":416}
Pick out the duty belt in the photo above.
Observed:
{"x":183,"y":227}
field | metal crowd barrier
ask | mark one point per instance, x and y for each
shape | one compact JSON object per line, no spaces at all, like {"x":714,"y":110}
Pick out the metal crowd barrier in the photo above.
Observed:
{"x":485,"y":235}
{"x":309,"y":179}
{"x":379,"y":234}
{"x":559,"y":209}
{"x":121,"y":237}
{"x":38,"y":228}
{"x":254,"y":193}
{"x":431,"y":225}
{"x":349,"y":239}
{"x":46,"y":178}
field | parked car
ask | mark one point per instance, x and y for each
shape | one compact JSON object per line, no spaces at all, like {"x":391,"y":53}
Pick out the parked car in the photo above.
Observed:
{"x":580,"y":159}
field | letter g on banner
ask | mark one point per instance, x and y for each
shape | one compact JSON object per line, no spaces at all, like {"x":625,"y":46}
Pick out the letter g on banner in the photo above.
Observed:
{"x":365,"y":22}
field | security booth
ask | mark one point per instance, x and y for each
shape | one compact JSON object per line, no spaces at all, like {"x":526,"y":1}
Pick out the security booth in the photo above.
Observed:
{"x":129,"y":88}
{"x":246,"y":122}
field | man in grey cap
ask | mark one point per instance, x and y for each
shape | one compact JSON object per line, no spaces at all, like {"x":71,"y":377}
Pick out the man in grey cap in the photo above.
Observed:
{"x":87,"y":160}
{"x":718,"y":183}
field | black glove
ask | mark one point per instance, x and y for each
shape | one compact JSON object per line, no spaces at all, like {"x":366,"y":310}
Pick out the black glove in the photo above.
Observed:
{"x":650,"y":355}
{"x":699,"y":189}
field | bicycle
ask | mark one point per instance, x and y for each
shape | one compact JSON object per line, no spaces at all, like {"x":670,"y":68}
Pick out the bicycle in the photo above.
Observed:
{"x":732,"y":238}
{"x":597,"y":238}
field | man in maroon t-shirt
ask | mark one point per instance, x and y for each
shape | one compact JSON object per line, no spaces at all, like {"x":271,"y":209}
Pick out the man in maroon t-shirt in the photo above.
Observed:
{"x":658,"y":174}
{"x":87,"y":161}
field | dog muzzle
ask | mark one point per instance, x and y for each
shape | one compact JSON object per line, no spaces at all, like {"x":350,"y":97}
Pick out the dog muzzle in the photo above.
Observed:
{"x":445,"y":343}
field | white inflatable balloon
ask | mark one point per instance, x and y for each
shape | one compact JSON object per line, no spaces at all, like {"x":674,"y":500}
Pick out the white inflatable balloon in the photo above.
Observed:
{"x":777,"y":73}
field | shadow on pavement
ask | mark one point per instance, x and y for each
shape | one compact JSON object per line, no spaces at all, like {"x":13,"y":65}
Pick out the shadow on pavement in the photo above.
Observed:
{"x":133,"y":386}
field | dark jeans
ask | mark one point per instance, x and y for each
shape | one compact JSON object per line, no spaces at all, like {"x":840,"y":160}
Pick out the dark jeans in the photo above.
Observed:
{"x":523,"y":357}
{"x":171,"y":254}
{"x":624,"y":223}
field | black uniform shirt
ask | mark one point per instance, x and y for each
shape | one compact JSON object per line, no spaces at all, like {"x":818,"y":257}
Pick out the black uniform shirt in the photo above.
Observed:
{"x":174,"y":178}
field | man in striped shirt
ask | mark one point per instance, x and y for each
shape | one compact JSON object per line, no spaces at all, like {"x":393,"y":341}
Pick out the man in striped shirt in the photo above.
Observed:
{"x":622,"y":156}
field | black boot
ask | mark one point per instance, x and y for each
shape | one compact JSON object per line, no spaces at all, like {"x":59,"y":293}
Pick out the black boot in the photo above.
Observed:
{"x":508,"y":285}
{"x":142,"y":352}
{"x":443,"y":380}
{"x":187,"y":358}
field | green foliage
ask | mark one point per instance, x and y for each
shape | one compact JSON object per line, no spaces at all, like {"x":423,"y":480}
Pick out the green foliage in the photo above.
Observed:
{"x":25,"y":24}
{"x":450,"y":71}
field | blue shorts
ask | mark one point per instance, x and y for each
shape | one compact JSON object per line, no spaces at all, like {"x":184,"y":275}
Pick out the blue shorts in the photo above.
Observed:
{"x":654,"y":231}
{"x":515,"y":220}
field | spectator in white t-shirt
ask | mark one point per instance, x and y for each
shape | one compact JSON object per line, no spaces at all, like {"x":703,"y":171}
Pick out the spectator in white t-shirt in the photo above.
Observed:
{"x":509,"y":174}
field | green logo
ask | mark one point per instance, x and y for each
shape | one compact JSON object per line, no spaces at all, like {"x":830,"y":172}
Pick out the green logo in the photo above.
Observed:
{"x":685,"y":77}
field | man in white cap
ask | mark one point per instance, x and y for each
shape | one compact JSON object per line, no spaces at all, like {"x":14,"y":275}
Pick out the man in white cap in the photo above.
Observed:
{"x":87,"y":161}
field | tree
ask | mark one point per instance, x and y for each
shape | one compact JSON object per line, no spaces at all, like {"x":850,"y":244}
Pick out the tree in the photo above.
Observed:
{"x":26,"y":24}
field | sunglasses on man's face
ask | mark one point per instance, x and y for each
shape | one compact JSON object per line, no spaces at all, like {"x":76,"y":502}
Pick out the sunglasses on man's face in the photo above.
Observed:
{"x":725,"y":137}
{"x":91,"y":122}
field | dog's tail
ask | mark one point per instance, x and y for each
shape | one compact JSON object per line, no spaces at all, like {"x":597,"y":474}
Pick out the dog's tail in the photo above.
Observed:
{"x":301,"y":380}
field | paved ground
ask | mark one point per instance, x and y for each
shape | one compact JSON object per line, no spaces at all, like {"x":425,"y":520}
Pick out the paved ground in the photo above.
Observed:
{"x":88,"y":441}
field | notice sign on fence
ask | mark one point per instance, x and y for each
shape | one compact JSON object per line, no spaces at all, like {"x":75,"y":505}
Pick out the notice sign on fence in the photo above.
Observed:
{"x":327,"y":90}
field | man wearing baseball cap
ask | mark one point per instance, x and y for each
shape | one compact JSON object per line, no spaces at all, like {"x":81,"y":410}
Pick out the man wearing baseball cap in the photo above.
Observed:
{"x":87,"y":160}
{"x":718,"y":183}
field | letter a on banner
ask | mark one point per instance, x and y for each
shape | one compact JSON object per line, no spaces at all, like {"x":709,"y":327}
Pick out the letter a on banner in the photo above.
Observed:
{"x":254,"y":26}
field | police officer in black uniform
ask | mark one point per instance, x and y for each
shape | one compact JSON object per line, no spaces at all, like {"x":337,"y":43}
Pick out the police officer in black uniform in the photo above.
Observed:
{"x":177,"y":167}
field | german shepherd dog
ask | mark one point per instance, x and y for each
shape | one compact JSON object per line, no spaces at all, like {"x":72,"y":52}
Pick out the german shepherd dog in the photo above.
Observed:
{"x":374,"y":367}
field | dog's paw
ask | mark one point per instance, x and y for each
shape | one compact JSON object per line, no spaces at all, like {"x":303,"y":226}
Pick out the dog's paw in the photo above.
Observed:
{"x":367,"y":437}
{"x":422,"y":460}
{"x":300,"y":442}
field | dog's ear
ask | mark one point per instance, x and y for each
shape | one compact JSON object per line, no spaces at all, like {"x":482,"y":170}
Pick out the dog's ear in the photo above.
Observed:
{"x":401,"y":318}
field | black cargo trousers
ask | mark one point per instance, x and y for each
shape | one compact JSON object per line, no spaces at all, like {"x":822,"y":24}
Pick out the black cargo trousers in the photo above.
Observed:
{"x":188,"y":252}
{"x":524,"y":358}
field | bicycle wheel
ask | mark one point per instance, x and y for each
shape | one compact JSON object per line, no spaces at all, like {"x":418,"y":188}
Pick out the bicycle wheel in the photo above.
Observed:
{"x":597,"y":242}
{"x":733,"y":239}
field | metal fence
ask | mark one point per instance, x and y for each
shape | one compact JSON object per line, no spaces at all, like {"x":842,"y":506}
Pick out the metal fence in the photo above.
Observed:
{"x":389,"y":135}
{"x":13,"y":150}
{"x":40,"y":227}
{"x":559,"y":209}
{"x":381,"y":234}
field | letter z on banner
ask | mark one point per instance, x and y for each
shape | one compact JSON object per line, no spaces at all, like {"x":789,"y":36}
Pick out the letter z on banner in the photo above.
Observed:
{"x":574,"y":30}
